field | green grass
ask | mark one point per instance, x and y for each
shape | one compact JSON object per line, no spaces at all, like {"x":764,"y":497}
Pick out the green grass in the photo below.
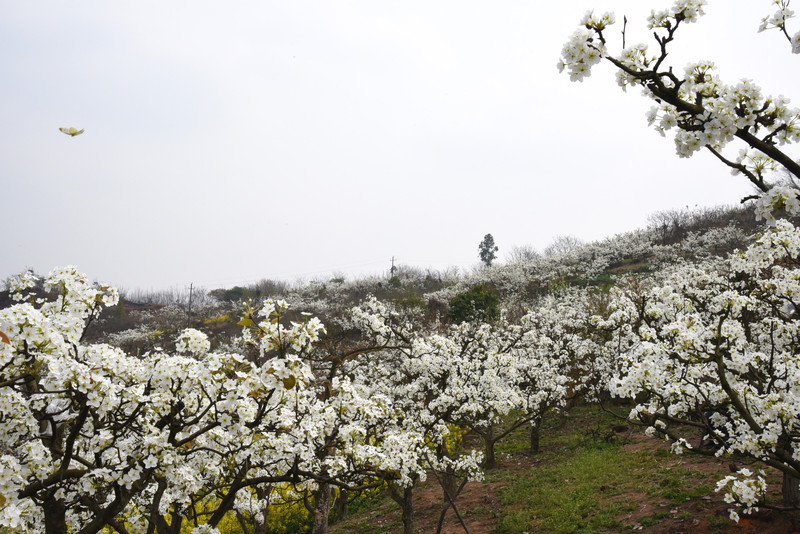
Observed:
{"x":678,"y":492}
{"x":367,"y":507}
{"x":654,"y":519}
{"x":722,"y":524}
{"x":585,"y":479}
{"x":574,"y":495}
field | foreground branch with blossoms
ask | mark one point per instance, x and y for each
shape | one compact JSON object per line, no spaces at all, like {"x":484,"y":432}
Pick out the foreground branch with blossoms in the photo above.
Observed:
{"x":710,"y":351}
{"x":703,"y":111}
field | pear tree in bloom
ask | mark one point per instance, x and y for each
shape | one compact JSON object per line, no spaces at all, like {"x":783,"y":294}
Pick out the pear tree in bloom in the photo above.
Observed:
{"x":712,"y":354}
{"x":481,"y":378}
{"x":506,"y":368}
{"x":346,"y":428}
{"x":562,"y":360}
{"x":702,"y":110}
{"x":464,"y":378}
{"x":423,"y":375}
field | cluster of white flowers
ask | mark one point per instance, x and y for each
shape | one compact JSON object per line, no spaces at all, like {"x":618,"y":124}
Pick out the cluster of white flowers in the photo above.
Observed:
{"x":19,"y":283}
{"x":274,"y":335}
{"x":688,"y":10}
{"x":586,"y":48}
{"x":743,"y":490}
{"x":193,"y":341}
{"x":776,"y":199}
{"x":580,"y":54}
{"x":778,"y":21}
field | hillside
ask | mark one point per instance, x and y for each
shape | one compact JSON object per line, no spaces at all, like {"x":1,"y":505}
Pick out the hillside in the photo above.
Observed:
{"x":143,"y":320}
{"x":508,"y":381}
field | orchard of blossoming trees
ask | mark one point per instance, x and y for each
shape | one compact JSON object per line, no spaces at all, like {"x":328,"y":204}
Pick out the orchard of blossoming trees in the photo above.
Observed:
{"x":705,"y":348}
{"x":93,"y":437}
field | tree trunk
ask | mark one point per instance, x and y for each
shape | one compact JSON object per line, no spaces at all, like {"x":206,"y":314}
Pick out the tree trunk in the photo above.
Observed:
{"x":321,"y":509}
{"x":449,"y":486}
{"x":162,"y":527}
{"x":55,"y":516}
{"x":408,"y":511}
{"x":536,"y":426}
{"x":451,"y":491}
{"x":448,"y":482}
{"x":243,"y":523}
{"x":404,"y":500}
{"x":263,"y":494}
{"x":489,"y":460}
{"x":260,"y":527}
{"x":791,"y":491}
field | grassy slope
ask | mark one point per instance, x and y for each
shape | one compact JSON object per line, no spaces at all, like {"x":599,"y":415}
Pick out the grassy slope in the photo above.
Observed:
{"x":592,"y":475}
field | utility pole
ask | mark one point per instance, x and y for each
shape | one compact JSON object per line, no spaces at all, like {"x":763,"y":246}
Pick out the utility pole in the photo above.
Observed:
{"x":391,"y":272}
{"x":189,"y":313}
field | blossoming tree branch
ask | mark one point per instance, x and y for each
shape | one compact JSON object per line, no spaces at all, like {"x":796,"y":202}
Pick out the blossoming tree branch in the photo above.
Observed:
{"x":703,"y":111}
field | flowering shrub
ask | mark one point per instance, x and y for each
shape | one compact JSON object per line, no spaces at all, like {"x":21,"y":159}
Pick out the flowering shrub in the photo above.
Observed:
{"x":193,"y":341}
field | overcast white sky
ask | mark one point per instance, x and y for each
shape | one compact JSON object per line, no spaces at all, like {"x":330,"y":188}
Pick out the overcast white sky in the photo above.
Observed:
{"x":232,"y":141}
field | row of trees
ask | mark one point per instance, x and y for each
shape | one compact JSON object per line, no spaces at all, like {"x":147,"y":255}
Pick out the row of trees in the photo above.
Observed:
{"x":94,"y":438}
